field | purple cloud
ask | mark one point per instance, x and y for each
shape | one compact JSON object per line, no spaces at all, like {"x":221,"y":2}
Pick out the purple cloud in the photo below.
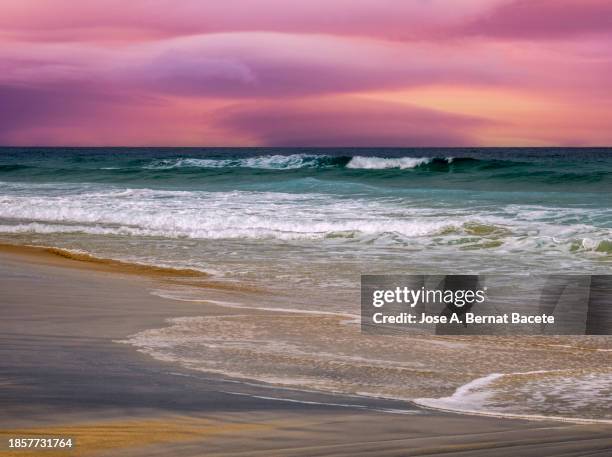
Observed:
{"x":348,"y":123}
{"x":543,"y":19}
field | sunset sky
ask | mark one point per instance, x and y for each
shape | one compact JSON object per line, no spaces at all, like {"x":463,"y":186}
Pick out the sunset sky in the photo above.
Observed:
{"x":306,"y":73}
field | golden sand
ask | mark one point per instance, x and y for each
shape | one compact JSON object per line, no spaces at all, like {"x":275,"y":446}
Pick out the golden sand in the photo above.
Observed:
{"x":51,"y":255}
{"x":179,"y":276}
{"x":90,"y":438}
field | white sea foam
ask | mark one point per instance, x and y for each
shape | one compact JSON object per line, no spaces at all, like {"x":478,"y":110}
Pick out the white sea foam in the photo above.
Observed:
{"x":365,"y":229}
{"x":223,"y":228}
{"x":207,"y":215}
{"x":379,"y":163}
{"x":71,"y":209}
{"x":469,"y":397}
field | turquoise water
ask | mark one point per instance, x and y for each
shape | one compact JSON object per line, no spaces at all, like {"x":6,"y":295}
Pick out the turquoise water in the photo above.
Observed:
{"x":316,"y":218}
{"x":341,"y":171}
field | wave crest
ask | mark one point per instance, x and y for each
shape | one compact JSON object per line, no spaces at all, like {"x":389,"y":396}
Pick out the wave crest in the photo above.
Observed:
{"x":295,"y":161}
{"x":268,"y":162}
{"x":380,"y":163}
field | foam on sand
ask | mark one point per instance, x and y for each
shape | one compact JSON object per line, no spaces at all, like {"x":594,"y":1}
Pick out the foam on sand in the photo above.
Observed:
{"x":496,"y":395}
{"x":317,"y":351}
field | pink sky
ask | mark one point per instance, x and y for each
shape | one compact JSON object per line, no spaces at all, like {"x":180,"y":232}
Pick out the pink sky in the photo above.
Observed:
{"x":306,"y":73}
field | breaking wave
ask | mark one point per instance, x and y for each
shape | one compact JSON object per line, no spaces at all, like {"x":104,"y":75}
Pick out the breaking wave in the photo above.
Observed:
{"x":295,"y":161}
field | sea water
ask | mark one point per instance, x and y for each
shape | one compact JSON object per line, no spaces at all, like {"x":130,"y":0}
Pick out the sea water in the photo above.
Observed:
{"x":302,"y":225}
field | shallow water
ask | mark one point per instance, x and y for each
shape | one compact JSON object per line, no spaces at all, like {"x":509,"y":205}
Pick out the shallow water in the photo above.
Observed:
{"x":566,"y":377}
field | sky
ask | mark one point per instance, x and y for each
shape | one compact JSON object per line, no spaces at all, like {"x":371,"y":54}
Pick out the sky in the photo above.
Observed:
{"x":306,"y":72}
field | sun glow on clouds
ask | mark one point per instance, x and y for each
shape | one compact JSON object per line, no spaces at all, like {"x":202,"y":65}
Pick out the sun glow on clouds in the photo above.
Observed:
{"x":414,"y":73}
{"x":501,"y":106}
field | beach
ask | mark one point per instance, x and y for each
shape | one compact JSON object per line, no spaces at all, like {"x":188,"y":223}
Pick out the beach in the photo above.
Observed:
{"x":309,"y":228}
{"x":64,"y":373}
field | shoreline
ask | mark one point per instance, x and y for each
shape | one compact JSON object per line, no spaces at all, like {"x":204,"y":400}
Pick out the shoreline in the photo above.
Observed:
{"x":83,"y":261}
{"x":62,"y":369}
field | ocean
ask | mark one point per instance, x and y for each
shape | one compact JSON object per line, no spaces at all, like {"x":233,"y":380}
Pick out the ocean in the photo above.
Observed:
{"x":299,"y":227}
{"x":315,"y":219}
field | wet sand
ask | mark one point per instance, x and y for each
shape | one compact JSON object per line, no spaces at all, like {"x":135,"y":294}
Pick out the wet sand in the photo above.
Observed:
{"x":62,"y":373}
